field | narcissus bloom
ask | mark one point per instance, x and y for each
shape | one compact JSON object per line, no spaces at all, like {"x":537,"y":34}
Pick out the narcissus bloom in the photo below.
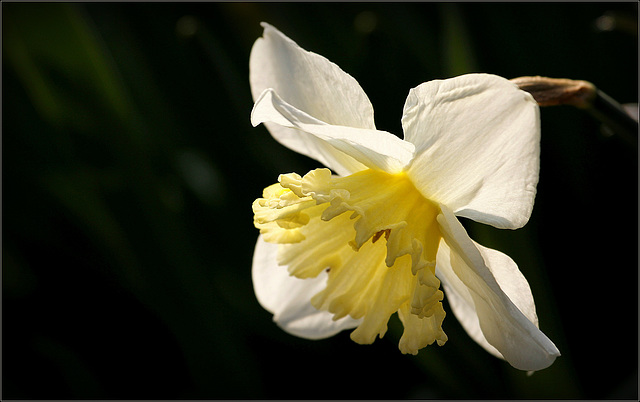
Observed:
{"x":381,"y":235}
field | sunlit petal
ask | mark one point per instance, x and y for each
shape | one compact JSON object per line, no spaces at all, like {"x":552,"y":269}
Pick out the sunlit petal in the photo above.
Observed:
{"x":477,"y":147}
{"x":372,"y":148}
{"x":312,"y":84}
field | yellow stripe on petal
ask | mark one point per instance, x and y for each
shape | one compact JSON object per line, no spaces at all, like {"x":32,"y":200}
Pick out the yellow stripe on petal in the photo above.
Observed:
{"x":375,"y":235}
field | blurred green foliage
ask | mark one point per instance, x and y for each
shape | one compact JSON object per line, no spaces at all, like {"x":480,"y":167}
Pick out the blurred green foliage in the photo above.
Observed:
{"x":130,"y":165}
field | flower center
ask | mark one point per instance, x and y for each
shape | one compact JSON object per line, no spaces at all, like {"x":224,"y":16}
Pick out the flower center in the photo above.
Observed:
{"x":325,"y":222}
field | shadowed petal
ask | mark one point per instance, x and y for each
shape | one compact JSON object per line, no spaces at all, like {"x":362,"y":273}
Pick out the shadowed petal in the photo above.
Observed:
{"x":491,"y":298}
{"x":288,"y":298}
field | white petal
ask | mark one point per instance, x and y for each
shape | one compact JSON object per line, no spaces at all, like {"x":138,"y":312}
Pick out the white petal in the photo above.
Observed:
{"x":477,"y":147}
{"x":460,"y":299}
{"x":313,"y":84}
{"x":372,"y":148}
{"x":491,"y":298}
{"x":288,"y":297}
{"x":509,"y":278}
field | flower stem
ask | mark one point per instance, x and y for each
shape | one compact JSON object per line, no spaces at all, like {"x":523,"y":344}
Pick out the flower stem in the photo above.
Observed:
{"x":612,"y":114}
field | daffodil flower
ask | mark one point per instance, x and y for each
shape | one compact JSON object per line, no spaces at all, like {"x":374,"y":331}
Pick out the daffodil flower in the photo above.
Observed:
{"x":380,"y":234}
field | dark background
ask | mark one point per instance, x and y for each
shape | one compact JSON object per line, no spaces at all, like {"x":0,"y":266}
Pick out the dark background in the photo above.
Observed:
{"x":129,"y":168}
